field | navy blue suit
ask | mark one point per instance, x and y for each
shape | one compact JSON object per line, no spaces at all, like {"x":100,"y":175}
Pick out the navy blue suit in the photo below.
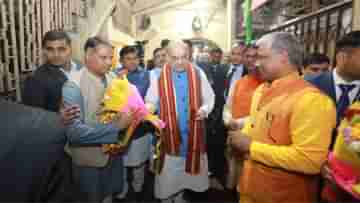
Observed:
{"x":325,"y":82}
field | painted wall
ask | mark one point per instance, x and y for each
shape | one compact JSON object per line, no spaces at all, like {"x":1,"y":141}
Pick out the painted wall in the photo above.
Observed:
{"x":176,"y":23}
{"x":99,"y":22}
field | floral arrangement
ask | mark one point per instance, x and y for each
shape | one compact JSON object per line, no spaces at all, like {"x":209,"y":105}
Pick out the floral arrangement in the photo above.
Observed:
{"x":344,"y":162}
{"x":351,"y":132}
{"x":123,"y":97}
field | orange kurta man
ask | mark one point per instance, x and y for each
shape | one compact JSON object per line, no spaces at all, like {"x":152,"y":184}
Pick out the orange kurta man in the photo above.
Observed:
{"x":243,"y":92}
{"x":290,"y":126}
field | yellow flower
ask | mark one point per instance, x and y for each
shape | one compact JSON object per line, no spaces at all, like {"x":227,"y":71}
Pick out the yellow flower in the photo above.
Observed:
{"x":116,"y":96}
{"x":355,"y":132}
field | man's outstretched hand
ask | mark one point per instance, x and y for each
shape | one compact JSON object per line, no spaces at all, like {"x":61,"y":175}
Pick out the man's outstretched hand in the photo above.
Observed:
{"x":69,"y":114}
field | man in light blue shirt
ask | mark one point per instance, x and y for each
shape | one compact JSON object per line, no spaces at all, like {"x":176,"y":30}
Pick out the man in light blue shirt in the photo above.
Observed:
{"x":96,"y":174}
{"x":137,"y":153}
{"x":71,"y":68}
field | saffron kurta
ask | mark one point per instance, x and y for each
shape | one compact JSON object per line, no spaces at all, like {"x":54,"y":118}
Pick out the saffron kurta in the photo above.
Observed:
{"x":239,"y":100}
{"x":290,"y":124}
{"x":237,"y":107}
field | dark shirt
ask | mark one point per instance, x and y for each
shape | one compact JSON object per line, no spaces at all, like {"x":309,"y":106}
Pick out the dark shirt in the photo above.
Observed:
{"x":43,"y":88}
{"x":216,"y":74}
{"x":32,"y":148}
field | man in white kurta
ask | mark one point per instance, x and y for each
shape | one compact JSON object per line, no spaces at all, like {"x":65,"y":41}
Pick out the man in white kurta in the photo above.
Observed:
{"x":174,"y":176}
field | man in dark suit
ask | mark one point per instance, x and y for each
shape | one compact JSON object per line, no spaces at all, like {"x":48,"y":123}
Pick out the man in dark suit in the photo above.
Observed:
{"x":216,"y":74}
{"x":29,"y":157}
{"x":236,"y":68}
{"x":342,"y":85}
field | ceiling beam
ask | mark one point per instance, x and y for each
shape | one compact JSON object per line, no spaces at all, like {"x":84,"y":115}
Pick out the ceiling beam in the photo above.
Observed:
{"x":162,"y":6}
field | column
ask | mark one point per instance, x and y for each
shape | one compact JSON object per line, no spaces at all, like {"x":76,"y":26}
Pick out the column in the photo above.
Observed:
{"x":356,"y":15}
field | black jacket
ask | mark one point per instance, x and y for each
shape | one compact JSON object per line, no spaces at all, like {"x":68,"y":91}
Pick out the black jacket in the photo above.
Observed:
{"x":44,"y":88}
{"x":217,"y":80}
{"x":325,"y":82}
{"x":34,"y":167}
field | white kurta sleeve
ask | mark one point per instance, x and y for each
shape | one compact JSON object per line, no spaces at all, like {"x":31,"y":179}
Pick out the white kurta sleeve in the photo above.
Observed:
{"x":152,"y":96}
{"x":208,"y":96}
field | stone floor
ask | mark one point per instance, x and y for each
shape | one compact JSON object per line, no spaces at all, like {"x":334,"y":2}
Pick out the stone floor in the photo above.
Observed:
{"x":210,"y":196}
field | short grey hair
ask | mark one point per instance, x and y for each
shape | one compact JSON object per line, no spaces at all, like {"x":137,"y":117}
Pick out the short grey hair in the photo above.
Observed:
{"x":285,"y":41}
{"x":176,"y":46}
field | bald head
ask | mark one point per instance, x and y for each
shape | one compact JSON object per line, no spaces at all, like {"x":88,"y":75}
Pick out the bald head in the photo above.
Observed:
{"x":177,"y":48}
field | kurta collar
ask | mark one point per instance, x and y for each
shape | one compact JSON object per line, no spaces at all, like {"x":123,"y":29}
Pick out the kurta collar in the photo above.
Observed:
{"x":98,"y":79}
{"x":284,"y":80}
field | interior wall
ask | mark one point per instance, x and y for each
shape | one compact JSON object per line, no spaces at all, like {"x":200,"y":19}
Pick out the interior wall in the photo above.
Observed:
{"x":176,"y":23}
{"x":99,"y":22}
{"x":89,"y":25}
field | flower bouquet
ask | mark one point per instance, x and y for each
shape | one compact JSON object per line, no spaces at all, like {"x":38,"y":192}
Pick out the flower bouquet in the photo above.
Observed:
{"x":121,"y":96}
{"x":344,"y":161}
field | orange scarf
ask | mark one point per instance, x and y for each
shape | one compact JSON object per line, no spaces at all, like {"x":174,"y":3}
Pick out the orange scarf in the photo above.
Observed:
{"x":170,"y":138}
{"x":243,"y":92}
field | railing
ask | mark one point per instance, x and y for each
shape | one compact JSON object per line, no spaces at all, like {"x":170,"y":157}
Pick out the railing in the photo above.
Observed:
{"x":320,"y":30}
{"x":22,"y":26}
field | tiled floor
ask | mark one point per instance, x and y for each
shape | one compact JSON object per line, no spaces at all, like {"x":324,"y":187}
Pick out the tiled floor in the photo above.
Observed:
{"x":210,"y":196}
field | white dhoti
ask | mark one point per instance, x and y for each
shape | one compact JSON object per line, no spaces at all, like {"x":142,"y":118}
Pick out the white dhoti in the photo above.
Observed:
{"x":174,"y":179}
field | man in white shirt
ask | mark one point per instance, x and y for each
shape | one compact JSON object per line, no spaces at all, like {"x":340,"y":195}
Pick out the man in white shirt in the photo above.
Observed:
{"x":160,"y":57}
{"x":184,"y":98}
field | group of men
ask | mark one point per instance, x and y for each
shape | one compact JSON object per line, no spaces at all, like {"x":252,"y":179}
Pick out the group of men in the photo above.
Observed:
{"x":85,"y":172}
{"x":277,"y":126}
{"x":283,"y":144}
